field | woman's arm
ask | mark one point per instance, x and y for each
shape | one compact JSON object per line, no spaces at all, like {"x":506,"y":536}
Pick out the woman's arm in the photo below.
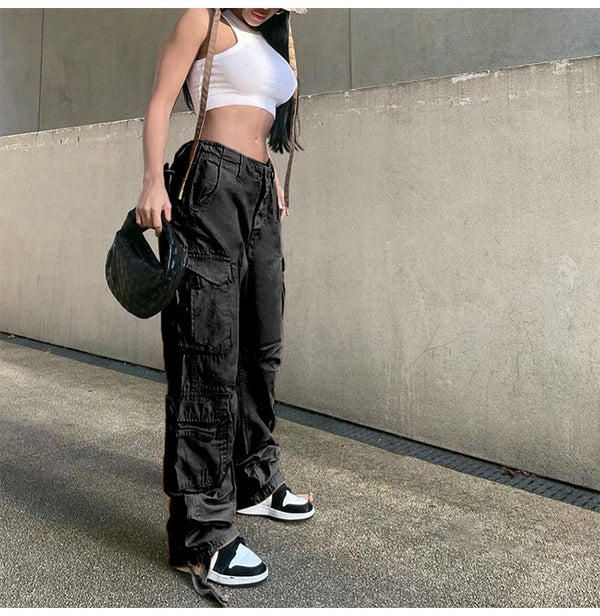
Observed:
{"x":177,"y":55}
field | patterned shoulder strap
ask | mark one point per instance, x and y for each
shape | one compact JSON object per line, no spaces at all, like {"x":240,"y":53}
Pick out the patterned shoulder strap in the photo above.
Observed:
{"x":292,"y":56}
{"x":204,"y":96}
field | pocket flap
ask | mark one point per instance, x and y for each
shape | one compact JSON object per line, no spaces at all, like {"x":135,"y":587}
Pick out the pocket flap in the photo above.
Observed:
{"x":216,"y":271}
{"x":202,"y":412}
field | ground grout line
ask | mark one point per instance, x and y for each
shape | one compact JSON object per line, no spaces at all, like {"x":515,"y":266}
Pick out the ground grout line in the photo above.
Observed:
{"x":577,"y":496}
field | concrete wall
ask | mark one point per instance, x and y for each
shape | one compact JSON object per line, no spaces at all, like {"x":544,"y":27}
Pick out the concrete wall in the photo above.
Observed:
{"x":441,"y":258}
{"x":69,"y":67}
{"x":20,"y":70}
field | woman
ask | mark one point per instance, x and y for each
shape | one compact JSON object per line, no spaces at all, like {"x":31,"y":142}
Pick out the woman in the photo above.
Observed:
{"x":222,"y":332}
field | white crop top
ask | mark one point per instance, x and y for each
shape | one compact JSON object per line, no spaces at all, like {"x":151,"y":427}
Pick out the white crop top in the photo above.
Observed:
{"x":250,"y":72}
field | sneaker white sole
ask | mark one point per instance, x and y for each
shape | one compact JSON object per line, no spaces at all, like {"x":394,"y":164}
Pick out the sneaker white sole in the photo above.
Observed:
{"x":231,"y":580}
{"x":270,"y":512}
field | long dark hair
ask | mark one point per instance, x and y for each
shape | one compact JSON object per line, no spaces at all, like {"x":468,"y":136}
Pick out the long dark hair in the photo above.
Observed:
{"x":275,"y":32}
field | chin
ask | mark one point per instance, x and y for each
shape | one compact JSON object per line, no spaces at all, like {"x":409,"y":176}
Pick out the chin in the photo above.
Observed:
{"x":253,"y":20}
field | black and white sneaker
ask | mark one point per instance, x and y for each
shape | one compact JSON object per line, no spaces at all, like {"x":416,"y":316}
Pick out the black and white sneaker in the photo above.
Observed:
{"x":235,"y":565}
{"x":283,"y":504}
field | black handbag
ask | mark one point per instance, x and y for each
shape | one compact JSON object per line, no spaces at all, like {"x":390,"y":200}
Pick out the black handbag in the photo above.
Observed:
{"x":141,"y":284}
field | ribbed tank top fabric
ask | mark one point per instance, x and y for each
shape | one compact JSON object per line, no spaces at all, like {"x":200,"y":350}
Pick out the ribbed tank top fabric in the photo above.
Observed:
{"x":250,"y":72}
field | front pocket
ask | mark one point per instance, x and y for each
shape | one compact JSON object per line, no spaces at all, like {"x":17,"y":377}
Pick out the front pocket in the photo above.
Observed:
{"x":205,"y":181}
{"x":207,"y":300}
{"x":198,"y":443}
{"x":168,"y":175}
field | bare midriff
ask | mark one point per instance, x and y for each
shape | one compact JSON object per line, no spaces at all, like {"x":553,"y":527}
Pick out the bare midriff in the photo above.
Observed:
{"x":244,"y":128}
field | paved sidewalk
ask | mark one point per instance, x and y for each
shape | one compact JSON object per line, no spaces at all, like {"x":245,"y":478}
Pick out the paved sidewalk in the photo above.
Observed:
{"x":82,"y":513}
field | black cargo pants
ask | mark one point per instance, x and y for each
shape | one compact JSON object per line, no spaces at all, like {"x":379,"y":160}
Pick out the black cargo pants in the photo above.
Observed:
{"x":222,"y":344}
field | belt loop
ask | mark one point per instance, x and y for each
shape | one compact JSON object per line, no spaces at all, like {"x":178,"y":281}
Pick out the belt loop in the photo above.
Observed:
{"x":241,"y":172}
{"x":200,"y":149}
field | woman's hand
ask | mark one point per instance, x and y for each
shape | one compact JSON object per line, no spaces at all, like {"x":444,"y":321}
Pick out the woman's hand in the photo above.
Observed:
{"x":152,"y":202}
{"x":280,"y":191}
{"x":281,"y":199}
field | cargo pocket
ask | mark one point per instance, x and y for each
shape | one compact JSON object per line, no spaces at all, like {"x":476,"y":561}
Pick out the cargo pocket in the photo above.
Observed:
{"x":198,"y":444}
{"x":207,"y":298}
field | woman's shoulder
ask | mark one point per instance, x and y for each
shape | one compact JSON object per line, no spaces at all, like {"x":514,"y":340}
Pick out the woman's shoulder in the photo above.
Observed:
{"x":193,"y":26}
{"x":198,"y":16}
{"x":196,"y":20}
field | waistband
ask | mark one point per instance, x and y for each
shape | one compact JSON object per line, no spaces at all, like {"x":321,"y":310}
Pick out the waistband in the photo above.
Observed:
{"x":247,"y":163}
